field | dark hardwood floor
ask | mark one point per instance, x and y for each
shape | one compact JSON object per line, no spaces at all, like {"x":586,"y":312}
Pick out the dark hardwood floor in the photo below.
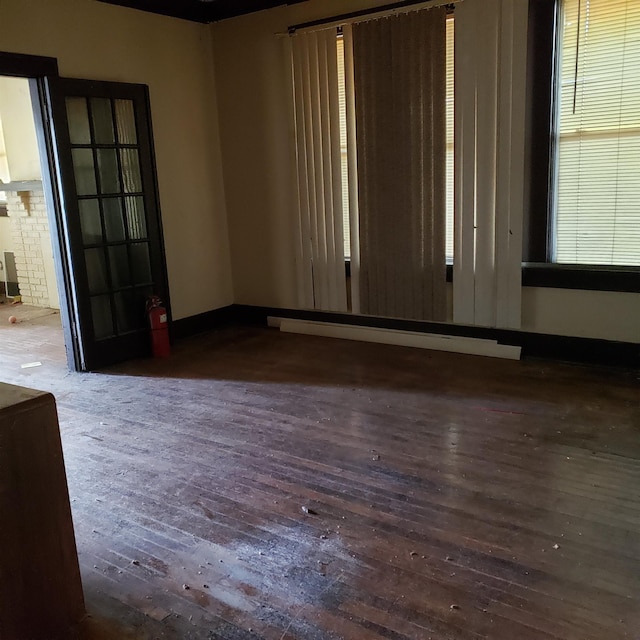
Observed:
{"x":264,"y":485}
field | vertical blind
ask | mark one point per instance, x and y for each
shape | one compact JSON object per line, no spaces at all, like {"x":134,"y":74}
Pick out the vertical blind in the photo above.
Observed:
{"x":450,"y":146}
{"x":344,"y":161}
{"x":319,"y":246}
{"x":597,"y":207}
{"x":400,"y":108}
{"x":490,"y":66}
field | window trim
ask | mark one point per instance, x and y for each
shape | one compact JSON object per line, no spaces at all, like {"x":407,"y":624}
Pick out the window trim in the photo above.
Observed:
{"x":537,"y":268}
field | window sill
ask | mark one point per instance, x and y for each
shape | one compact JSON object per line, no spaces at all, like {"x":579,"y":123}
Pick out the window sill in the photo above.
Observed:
{"x":570,"y":276}
{"x":574,"y":276}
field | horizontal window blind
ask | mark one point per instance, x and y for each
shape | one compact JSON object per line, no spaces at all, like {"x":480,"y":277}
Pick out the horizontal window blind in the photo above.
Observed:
{"x":449,"y":155}
{"x":344,"y":163}
{"x":597,"y":206}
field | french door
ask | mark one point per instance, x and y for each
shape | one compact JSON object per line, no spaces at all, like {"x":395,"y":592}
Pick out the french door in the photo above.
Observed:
{"x":112,"y":232}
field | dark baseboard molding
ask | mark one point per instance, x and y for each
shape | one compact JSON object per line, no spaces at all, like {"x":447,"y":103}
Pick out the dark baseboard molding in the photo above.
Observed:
{"x":192,"y":325}
{"x":534,"y":345}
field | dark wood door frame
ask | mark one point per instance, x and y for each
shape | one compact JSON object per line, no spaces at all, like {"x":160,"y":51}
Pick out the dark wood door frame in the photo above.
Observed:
{"x":40,"y":70}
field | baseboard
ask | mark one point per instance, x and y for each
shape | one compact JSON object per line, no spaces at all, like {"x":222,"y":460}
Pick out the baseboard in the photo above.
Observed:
{"x":534,"y":345}
{"x":193,"y":325}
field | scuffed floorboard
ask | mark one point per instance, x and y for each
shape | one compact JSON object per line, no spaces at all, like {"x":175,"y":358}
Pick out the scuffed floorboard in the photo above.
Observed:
{"x":447,"y":496}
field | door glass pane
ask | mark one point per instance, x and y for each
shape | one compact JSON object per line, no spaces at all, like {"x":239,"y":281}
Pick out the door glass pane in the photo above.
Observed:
{"x":96,"y":270}
{"x":101,"y":316}
{"x":108,"y":168}
{"x":140,"y":262}
{"x":83,"y":171}
{"x":90,"y":221}
{"x":130,"y":310}
{"x":78,"y":121}
{"x":102,"y":121}
{"x":113,"y":222}
{"x":130,"y":170}
{"x":136,"y":224}
{"x":119,"y":264}
{"x":125,"y":122}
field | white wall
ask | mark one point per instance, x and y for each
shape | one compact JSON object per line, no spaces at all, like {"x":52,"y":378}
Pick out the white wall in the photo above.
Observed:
{"x":609,"y":315}
{"x":255,"y":133}
{"x":18,"y":130}
{"x":104,"y":42}
{"x":6,"y":243}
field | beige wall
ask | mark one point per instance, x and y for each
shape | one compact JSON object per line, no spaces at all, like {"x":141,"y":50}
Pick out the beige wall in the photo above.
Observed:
{"x":255,"y":131}
{"x":104,"y":42}
{"x":589,"y":314}
{"x":18,"y":131}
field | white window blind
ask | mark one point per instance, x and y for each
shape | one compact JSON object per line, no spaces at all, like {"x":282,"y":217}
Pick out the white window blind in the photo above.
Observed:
{"x":319,"y":246}
{"x":597,"y":205}
{"x":449,"y":157}
{"x":344,"y":162}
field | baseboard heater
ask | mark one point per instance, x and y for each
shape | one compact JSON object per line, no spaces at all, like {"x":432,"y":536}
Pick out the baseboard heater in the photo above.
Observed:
{"x":437,"y":342}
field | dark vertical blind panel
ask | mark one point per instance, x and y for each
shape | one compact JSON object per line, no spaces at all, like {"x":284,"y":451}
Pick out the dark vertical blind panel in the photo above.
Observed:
{"x":400,"y":87}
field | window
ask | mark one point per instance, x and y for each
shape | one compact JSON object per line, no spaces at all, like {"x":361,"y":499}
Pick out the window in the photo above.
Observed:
{"x":450,"y":142}
{"x":344,"y":164}
{"x":595,"y":211}
{"x":450,"y":95}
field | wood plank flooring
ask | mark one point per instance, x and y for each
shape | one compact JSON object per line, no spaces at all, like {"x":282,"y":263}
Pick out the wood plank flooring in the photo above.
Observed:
{"x":445,"y":496}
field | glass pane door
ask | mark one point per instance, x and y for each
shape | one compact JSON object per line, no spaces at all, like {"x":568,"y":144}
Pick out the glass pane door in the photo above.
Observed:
{"x":112,"y":215}
{"x":106,"y":164}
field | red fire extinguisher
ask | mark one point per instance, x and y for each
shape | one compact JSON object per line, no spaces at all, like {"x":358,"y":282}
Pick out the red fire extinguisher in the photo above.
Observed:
{"x":157,"y":314}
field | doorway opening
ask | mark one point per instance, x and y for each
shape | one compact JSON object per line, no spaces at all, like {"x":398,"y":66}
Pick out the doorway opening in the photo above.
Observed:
{"x":28,"y":284}
{"x":98,"y":192}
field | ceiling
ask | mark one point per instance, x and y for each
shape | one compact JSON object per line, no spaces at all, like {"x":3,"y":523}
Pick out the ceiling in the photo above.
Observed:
{"x":201,"y":10}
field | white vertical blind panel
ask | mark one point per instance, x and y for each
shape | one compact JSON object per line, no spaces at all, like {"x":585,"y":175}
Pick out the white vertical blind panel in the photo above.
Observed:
{"x":310,"y":176}
{"x":464,"y":165}
{"x":487,"y":57}
{"x":318,"y":166}
{"x":510,"y":164}
{"x":326,"y":232}
{"x":490,"y":58}
{"x":336,"y":263}
{"x":449,"y":157}
{"x":344,"y":160}
{"x":303,"y":228}
{"x":597,"y":215}
{"x":352,"y":168}
{"x":321,"y":284}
